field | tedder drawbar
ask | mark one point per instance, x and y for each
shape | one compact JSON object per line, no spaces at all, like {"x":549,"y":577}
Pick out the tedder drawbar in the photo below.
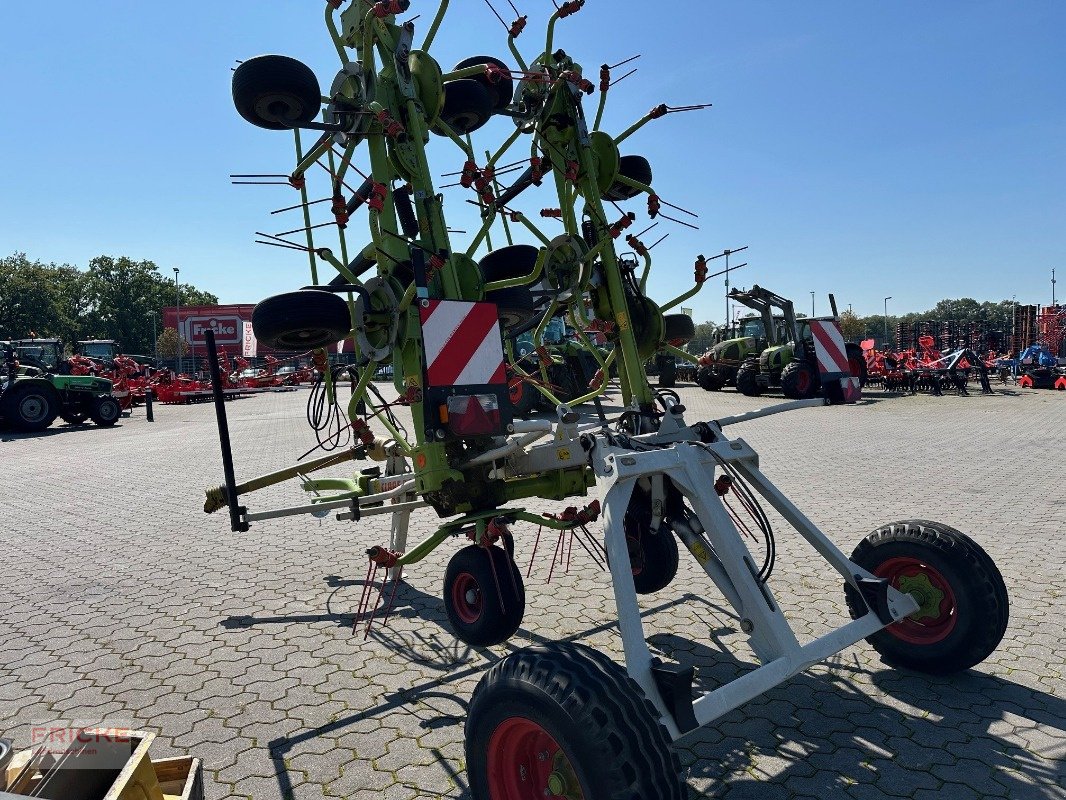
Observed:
{"x":561,"y":720}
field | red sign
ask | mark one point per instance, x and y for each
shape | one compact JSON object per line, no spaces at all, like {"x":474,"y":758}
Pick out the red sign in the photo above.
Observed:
{"x":226,"y":321}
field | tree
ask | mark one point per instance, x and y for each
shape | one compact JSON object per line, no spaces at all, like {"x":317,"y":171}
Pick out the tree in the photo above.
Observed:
{"x":852,"y":327}
{"x":703,"y":339}
{"x":168,"y":344}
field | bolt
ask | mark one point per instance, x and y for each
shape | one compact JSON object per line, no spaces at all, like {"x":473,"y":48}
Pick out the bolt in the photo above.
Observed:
{"x":747,"y":625}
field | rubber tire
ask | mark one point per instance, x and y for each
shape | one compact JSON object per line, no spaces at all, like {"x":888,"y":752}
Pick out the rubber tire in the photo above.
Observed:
{"x":597,"y":714}
{"x":524,"y":401}
{"x":105,"y":411}
{"x":636,"y":168}
{"x":502,"y":93}
{"x":467,"y":106}
{"x":791,"y":380}
{"x":14,"y":397}
{"x":709,"y":380}
{"x":980,"y":593}
{"x":667,"y":372}
{"x":856,"y":358}
{"x":517,"y":310}
{"x":493,"y":626}
{"x":74,"y":417}
{"x":515,"y":261}
{"x":746,"y":383}
{"x":300,"y":321}
{"x":678,"y":327}
{"x":273,"y":81}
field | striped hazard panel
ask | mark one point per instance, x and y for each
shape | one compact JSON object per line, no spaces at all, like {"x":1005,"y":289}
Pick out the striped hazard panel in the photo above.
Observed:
{"x":832,"y":356}
{"x":463,"y":343}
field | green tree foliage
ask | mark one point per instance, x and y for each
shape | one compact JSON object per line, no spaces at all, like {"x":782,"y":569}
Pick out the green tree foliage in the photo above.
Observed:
{"x":109,"y":300}
{"x":703,"y":339}
{"x":168,"y":344}
{"x":851,"y":325}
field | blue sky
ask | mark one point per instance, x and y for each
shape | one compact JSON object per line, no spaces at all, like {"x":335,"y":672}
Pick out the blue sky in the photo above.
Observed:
{"x":906,"y":148}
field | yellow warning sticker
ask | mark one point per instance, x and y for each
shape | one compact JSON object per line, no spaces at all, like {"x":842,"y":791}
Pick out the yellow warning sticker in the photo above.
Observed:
{"x":623,"y":320}
{"x":699,"y":550}
{"x":563,"y":453}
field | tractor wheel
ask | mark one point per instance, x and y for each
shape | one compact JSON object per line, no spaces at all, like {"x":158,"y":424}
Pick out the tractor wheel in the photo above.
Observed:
{"x":747,"y":375}
{"x":636,"y":168}
{"x":105,"y":411}
{"x":500,"y":93}
{"x":484,"y":596}
{"x":964,"y":604}
{"x":857,"y":363}
{"x":564,"y":721}
{"x":72,"y":417}
{"x":667,"y":372}
{"x":515,"y":261}
{"x":678,"y":329}
{"x":270,"y":91}
{"x":31,"y":408}
{"x":799,"y":381}
{"x":523,"y":398}
{"x":709,"y":380}
{"x":467,"y":106}
{"x":303,"y":320}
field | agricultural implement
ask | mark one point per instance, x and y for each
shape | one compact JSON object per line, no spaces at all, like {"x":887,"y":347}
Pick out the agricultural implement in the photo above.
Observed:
{"x":562,"y":720}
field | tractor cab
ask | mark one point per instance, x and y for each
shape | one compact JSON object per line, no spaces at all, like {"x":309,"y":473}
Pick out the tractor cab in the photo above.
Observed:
{"x":100,"y":349}
{"x":44,"y":354}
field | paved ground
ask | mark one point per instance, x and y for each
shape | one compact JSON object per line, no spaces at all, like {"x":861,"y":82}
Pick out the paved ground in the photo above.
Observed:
{"x":122,"y":601}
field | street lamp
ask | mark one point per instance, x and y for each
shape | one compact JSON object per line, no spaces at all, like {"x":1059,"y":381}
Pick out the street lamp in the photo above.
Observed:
{"x":177,"y":315}
{"x":886,"y":321}
{"x":812,"y":305}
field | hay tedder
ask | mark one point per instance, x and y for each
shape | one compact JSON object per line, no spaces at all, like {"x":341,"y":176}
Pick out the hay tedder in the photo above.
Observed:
{"x":562,"y":720}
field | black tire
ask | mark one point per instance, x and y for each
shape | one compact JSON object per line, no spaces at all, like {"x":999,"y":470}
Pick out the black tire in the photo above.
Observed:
{"x":799,"y":381}
{"x":652,"y":556}
{"x":476,"y":581}
{"x":105,"y":411}
{"x":31,"y":408}
{"x":269,"y":88}
{"x":709,"y":380}
{"x":517,"y":309}
{"x":467,"y":106}
{"x":956,"y":637}
{"x":515,"y":261}
{"x":523,"y":398}
{"x":606,"y":733}
{"x":678,"y":329}
{"x":636,"y":168}
{"x":746,"y":378}
{"x":501,"y":93}
{"x":303,"y":320}
{"x":857,"y":363}
{"x":667,"y":372}
{"x":72,"y":417}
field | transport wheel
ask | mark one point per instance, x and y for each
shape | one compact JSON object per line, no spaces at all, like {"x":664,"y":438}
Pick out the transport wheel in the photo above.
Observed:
{"x":747,"y":375}
{"x":303,"y":320}
{"x":467,"y":106}
{"x":484,"y":596}
{"x":516,"y":308}
{"x":105,"y":411}
{"x":798,"y":381}
{"x":709,"y":380}
{"x":653,"y":557}
{"x":678,"y":329}
{"x":514,"y":261}
{"x":270,"y":91}
{"x":564,"y":721}
{"x":501,"y":92}
{"x":963,"y":600}
{"x":31,"y":408}
{"x":636,"y":168}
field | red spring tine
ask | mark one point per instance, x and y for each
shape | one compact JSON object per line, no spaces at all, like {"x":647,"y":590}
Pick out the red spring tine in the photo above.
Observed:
{"x":392,"y":599}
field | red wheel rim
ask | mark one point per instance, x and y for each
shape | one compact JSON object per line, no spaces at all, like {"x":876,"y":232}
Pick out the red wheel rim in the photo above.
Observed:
{"x":855,"y":367}
{"x":516,"y":392}
{"x":467,"y":598}
{"x":803,"y":381}
{"x":935,"y":619}
{"x":526,"y":763}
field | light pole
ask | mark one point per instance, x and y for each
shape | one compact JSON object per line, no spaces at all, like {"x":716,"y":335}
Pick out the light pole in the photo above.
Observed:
{"x":726,"y":254}
{"x":155,"y":336}
{"x":1053,"y":282}
{"x":812,"y":305}
{"x":177,"y":315}
{"x":886,"y":322}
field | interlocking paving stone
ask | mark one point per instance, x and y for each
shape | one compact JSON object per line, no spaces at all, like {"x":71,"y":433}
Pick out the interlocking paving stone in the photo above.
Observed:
{"x":124,"y":602}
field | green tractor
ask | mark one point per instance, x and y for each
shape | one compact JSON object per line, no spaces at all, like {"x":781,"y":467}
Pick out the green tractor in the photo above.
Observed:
{"x":32,"y":395}
{"x":733,"y":345}
{"x":788,"y":363}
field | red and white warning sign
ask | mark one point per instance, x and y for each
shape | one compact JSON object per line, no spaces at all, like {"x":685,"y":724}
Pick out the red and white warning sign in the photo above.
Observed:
{"x":832,"y":356}
{"x":463,"y":343}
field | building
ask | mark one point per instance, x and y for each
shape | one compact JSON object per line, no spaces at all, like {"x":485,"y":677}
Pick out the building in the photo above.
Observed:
{"x":226,"y":321}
